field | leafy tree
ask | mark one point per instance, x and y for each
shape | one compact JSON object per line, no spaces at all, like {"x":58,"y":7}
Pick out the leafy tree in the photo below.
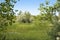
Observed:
{"x":25,"y":17}
{"x":28,"y":16}
{"x":7,"y":16}
{"x":49,"y":14}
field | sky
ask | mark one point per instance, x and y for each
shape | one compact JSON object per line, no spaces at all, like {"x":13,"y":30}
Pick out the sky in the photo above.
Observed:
{"x":30,"y":5}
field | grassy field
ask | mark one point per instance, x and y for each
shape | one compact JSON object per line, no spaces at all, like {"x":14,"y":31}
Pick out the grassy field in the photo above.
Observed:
{"x":27,"y":32}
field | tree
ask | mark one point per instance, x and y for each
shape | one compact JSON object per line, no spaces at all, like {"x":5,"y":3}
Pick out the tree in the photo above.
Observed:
{"x":50,"y":15}
{"x":25,"y":17}
{"x":28,"y":16}
{"x":7,"y":16}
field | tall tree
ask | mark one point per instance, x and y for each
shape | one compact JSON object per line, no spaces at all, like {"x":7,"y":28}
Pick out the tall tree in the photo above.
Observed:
{"x":51,"y":15}
{"x":7,"y":16}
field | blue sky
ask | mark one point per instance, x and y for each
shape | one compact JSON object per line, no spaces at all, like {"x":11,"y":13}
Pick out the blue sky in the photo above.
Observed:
{"x":30,"y":5}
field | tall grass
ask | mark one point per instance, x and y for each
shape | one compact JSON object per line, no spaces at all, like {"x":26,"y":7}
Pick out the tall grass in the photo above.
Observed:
{"x":25,"y":31}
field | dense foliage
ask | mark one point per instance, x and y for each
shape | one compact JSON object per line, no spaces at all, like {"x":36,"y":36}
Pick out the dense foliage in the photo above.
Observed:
{"x":6,"y":16}
{"x":49,"y":13}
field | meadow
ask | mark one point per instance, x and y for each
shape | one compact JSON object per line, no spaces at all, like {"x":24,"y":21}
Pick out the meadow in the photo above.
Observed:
{"x":16,"y":24}
{"x":27,"y":31}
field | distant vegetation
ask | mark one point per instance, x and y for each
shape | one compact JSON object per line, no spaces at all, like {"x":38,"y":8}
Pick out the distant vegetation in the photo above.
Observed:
{"x":25,"y":17}
{"x":25,"y":26}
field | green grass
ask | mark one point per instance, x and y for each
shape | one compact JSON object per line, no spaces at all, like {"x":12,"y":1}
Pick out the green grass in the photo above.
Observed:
{"x":27,"y":32}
